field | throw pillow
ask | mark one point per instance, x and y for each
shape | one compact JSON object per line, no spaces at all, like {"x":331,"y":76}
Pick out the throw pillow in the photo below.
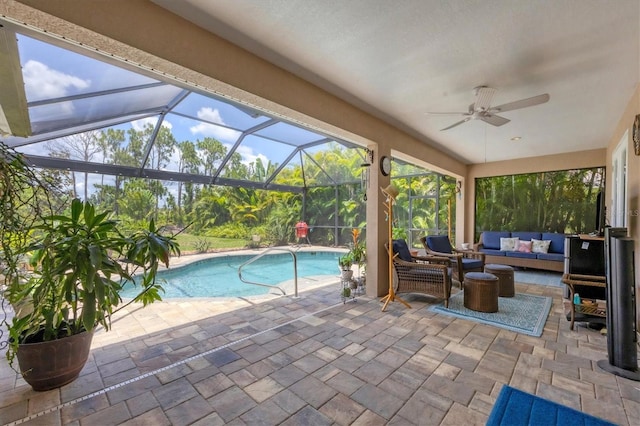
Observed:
{"x":525,"y":246}
{"x":540,"y":246}
{"x":509,"y":244}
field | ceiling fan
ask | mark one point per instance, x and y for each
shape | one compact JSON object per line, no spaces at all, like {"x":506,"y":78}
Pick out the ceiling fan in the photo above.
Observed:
{"x":481,"y":109}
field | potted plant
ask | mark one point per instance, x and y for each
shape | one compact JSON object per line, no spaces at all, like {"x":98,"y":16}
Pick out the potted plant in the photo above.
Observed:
{"x":345,"y":262}
{"x":78,"y":263}
{"x":358,"y":255}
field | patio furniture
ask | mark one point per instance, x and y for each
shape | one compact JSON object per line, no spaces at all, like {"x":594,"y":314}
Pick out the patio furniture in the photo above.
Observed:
{"x":420,"y":274}
{"x":504,"y":273}
{"x":462,"y":261}
{"x":593,"y":308}
{"x":481,"y":292}
{"x":548,"y":253}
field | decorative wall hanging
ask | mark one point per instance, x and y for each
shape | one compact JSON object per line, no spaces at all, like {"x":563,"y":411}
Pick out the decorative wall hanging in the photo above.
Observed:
{"x":636,"y":135}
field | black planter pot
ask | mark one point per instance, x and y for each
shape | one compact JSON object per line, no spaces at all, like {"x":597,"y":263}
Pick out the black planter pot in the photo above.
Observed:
{"x":49,"y":365}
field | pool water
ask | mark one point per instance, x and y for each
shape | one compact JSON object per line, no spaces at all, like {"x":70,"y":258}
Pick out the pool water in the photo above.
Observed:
{"x":218,"y":276}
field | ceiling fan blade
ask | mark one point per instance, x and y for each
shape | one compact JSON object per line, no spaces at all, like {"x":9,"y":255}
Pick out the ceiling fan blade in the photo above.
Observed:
{"x":495,"y":120}
{"x":446,"y":113}
{"x":457,"y":124}
{"x":484,"y":95}
{"x":522,"y":103}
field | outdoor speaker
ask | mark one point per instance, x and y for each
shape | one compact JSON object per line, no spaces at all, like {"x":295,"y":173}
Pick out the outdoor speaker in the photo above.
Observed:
{"x":621,"y":306}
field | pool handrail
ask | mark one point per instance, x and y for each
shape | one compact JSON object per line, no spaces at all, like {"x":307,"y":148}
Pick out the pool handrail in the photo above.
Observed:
{"x":253,"y":259}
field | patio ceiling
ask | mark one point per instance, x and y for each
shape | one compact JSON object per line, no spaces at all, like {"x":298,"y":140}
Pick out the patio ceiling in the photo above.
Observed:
{"x":399,"y":60}
{"x":58,"y":91}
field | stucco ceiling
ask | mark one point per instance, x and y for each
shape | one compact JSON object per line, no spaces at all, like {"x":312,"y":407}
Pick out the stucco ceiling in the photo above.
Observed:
{"x":401,"y":59}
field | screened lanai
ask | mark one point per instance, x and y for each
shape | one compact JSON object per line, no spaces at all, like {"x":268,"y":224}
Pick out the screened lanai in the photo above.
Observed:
{"x":132,"y":139}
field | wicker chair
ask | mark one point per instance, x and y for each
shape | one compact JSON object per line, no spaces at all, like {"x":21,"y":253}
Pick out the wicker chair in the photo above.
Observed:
{"x":420,"y":274}
{"x":462,"y":261}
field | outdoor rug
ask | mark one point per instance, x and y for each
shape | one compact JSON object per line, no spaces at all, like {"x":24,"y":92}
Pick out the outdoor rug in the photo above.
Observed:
{"x":514,"y":407}
{"x":524,"y":313}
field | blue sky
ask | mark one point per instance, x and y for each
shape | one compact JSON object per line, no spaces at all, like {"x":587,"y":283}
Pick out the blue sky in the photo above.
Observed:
{"x":52,"y":72}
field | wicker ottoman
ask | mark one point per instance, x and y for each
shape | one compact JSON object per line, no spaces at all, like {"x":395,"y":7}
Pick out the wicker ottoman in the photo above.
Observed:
{"x":505,"y":278}
{"x":481,"y":292}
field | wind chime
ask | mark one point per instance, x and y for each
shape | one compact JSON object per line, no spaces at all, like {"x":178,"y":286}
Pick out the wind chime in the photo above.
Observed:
{"x":458,"y":192}
{"x":364,"y":173}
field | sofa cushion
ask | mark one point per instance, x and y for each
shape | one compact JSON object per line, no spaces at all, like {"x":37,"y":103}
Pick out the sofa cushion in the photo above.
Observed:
{"x":528,"y":236}
{"x":551,"y":256}
{"x":540,"y":246}
{"x":521,"y":255}
{"x":400,"y":247}
{"x":492,"y":252}
{"x":491,"y":239}
{"x":524,"y":246}
{"x":557,"y":241}
{"x":509,"y":244}
{"x":468,"y":263}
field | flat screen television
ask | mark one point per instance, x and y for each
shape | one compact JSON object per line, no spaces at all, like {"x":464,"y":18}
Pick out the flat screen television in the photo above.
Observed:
{"x":601,"y":214}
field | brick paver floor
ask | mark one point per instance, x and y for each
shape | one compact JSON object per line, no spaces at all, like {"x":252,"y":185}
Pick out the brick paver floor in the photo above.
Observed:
{"x":314,"y":360}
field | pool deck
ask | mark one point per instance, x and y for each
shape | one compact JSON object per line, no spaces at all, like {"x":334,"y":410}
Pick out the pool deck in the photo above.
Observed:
{"x":315,"y":360}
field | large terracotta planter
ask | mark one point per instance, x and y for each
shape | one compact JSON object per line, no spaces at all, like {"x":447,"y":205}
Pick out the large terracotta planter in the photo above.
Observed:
{"x":49,"y":365}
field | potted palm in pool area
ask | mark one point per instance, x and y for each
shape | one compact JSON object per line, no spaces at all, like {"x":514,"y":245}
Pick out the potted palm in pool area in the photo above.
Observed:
{"x":345,"y":262}
{"x":63,"y":274}
{"x":359,"y":256}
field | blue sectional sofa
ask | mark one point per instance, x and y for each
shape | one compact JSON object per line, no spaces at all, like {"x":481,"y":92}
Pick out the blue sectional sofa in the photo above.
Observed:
{"x":552,"y":260}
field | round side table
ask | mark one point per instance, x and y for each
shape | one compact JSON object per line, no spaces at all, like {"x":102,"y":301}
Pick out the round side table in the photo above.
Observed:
{"x":481,"y":292}
{"x":505,"y":278}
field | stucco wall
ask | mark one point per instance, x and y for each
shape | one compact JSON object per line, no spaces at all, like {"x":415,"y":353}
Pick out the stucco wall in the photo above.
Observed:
{"x":633,"y":180}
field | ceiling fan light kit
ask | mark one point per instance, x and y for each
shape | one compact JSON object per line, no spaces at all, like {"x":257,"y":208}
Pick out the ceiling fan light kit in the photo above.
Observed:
{"x":481,"y":109}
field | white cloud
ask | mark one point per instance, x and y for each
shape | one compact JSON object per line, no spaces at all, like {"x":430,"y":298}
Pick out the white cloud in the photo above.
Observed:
{"x":248,"y":155}
{"x":42,"y":82}
{"x":139,"y":125}
{"x":206,"y":129}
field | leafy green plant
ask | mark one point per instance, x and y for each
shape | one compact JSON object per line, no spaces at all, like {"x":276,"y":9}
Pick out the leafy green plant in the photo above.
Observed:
{"x":345,"y":261}
{"x":358,"y":250}
{"x":202,"y":245}
{"x":80,"y":263}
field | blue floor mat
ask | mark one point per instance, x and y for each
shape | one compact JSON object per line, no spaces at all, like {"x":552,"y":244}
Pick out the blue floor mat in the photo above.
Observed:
{"x":515,"y":407}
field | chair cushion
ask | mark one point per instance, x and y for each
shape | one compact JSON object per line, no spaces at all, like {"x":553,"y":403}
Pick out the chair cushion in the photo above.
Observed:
{"x":557,"y":241}
{"x":497,"y":267}
{"x":400,"y":247}
{"x":480,"y":276}
{"x":491,"y":239}
{"x":471,"y":264}
{"x":439,"y":243}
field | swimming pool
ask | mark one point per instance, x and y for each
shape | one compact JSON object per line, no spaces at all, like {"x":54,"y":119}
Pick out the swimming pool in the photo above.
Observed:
{"x":218,"y":276}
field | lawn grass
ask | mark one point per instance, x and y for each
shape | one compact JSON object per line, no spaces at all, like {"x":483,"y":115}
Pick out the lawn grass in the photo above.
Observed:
{"x":191,"y":243}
